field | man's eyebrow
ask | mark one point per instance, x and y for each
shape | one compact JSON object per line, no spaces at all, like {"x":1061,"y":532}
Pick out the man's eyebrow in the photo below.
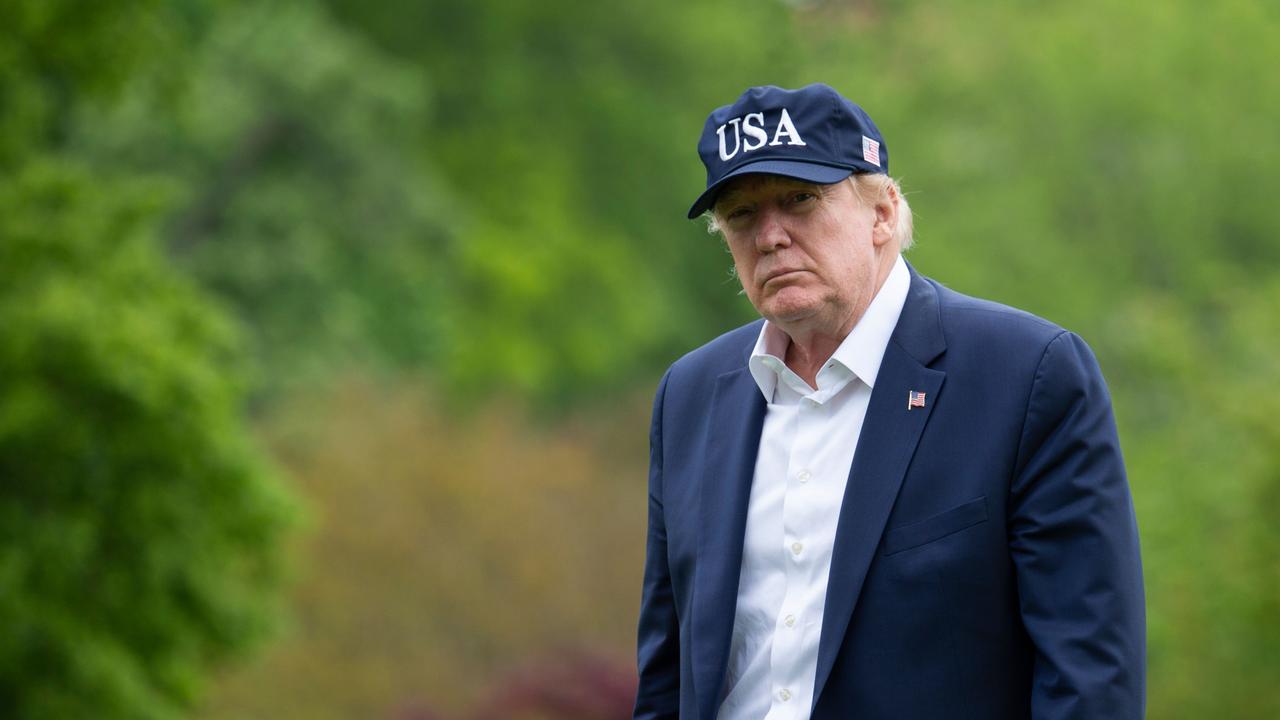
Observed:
{"x":774,"y":184}
{"x":728,"y":197}
{"x":733,"y":194}
{"x":739,"y":189}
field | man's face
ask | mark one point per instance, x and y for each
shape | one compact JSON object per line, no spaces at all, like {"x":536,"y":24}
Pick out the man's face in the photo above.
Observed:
{"x":809,"y":256}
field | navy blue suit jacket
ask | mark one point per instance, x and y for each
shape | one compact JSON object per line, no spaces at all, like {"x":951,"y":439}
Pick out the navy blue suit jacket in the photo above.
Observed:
{"x":986,"y":559}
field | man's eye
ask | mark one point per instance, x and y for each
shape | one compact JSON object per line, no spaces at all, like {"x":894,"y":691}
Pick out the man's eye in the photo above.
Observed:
{"x":803,"y":197}
{"x":738,"y":212}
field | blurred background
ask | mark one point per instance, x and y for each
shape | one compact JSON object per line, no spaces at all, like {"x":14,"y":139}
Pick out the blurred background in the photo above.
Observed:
{"x":329,"y":328}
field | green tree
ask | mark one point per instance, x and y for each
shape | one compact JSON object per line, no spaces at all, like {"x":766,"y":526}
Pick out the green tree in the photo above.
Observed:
{"x":139,"y":526}
{"x":302,"y":197}
{"x":57,"y":56}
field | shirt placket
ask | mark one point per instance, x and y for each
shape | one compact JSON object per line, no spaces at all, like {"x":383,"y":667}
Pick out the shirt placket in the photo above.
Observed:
{"x":789,"y":696}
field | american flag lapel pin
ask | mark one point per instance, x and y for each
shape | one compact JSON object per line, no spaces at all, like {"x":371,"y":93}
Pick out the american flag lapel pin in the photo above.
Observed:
{"x":915,"y":399}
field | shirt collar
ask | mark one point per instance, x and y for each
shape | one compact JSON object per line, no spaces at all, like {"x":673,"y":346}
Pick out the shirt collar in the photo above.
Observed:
{"x":860,"y":352}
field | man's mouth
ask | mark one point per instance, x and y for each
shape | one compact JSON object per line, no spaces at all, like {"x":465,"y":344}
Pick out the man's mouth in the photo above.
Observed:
{"x":780,"y":275}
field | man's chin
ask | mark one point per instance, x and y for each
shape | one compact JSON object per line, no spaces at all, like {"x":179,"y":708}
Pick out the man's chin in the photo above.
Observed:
{"x":784,"y":313}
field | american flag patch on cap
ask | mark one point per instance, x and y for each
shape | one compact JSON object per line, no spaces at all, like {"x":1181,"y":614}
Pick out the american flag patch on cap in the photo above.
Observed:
{"x":871,"y":151}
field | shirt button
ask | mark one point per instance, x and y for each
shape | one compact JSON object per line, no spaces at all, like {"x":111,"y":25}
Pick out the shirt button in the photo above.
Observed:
{"x":790,"y":621}
{"x":784,"y":694}
{"x":796,"y":548}
{"x":803,"y":476}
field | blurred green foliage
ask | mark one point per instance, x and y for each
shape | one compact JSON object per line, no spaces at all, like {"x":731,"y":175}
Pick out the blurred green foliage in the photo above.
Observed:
{"x":139,"y":525}
{"x":488,"y":199}
{"x":567,"y":130}
{"x":451,"y":552}
{"x":298,"y":196}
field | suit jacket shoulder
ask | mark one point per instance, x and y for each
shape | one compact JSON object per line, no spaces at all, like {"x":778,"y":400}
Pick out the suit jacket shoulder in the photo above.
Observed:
{"x":726,"y":353}
{"x":970,"y":323}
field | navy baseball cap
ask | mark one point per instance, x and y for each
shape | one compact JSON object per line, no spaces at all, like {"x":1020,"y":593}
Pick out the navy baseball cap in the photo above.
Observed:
{"x":812,"y":134}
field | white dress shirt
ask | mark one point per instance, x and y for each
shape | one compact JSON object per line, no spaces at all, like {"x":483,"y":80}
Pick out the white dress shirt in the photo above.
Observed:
{"x":806,"y":449}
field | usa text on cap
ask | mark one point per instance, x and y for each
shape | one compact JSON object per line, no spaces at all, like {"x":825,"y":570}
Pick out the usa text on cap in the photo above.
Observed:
{"x":812,"y":134}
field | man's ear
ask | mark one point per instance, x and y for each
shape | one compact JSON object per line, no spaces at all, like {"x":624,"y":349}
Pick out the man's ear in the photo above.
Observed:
{"x":886,"y":209}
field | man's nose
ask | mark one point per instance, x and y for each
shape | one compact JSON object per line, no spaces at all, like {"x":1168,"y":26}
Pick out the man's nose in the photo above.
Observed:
{"x":771,"y":232}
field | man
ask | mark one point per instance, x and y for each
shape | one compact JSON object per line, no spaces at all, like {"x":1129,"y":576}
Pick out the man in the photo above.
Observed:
{"x":884,"y":500}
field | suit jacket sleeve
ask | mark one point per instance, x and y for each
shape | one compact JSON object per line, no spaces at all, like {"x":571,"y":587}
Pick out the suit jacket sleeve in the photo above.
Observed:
{"x":658,"y":647}
{"x":1074,"y":543}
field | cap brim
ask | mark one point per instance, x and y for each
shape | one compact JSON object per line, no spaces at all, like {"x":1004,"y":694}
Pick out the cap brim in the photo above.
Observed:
{"x":807,"y":171}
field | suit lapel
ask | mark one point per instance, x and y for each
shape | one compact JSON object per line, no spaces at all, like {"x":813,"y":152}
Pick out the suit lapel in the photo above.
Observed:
{"x":737,"y":416}
{"x":889,"y":437}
